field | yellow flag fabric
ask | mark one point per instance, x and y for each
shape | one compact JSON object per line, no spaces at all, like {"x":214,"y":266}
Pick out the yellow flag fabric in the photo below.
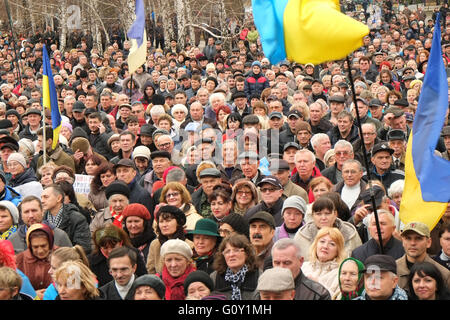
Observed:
{"x":316,"y":31}
{"x":138,"y":54}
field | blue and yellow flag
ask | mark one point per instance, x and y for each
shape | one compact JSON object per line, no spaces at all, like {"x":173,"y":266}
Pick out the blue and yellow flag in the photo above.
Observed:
{"x":306,"y":31}
{"x":50,"y":99}
{"x":427,"y":176}
{"x":138,"y":37}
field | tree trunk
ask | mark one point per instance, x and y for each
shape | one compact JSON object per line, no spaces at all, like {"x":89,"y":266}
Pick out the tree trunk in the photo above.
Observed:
{"x":180,"y":11}
{"x":63,"y":22}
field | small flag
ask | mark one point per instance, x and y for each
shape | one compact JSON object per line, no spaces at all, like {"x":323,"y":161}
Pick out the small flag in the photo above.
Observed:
{"x":306,"y":31}
{"x":50,"y":98}
{"x":138,"y":37}
{"x":427,"y":176}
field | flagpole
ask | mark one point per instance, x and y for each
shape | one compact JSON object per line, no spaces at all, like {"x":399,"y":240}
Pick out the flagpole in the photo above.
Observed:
{"x":366,"y":161}
{"x":44,"y":139}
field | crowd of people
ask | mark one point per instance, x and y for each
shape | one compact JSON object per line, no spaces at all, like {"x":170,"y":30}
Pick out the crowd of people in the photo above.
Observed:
{"x":217,"y":175}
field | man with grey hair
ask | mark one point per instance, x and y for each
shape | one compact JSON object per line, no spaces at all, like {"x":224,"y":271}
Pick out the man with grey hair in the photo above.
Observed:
{"x":305,"y":163}
{"x":343,"y":151}
{"x":369,"y":131}
{"x":286,"y":253}
{"x":352,"y":185}
{"x":317,"y":122}
{"x":68,"y":105}
{"x":321,"y":144}
{"x":391,"y":245}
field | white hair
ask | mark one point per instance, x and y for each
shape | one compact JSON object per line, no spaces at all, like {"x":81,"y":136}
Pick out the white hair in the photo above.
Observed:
{"x":343,"y":144}
{"x":396,"y":188}
{"x":215,"y":95}
{"x":179,"y":106}
{"x":388,"y":214}
{"x":315,"y":139}
{"x":157,"y":110}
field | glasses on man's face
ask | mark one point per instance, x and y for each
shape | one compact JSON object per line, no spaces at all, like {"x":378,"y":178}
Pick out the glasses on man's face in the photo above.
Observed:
{"x":264,"y":190}
{"x":164,"y":145}
{"x":224,"y":233}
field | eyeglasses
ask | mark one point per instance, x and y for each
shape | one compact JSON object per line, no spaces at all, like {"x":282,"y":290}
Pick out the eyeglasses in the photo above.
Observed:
{"x":242,"y":192}
{"x":264,"y":190}
{"x":164,"y":145}
{"x":172,"y":195}
{"x":224,"y":233}
{"x":342,"y":153}
{"x":233,"y":251}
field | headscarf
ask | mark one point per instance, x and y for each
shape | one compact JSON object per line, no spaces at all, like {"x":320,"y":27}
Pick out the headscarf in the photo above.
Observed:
{"x":359,"y":287}
{"x":40,"y":227}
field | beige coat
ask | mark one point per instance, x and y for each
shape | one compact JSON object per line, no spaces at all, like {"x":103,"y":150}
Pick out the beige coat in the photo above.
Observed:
{"x":291,"y":189}
{"x":306,"y":234}
{"x":154,"y":262}
{"x":326,"y":273}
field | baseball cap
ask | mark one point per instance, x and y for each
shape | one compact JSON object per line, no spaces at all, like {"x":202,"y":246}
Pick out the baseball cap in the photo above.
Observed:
{"x":275,"y":114}
{"x":378,"y":194}
{"x":271,"y":180}
{"x":417,"y":227}
{"x":336,"y":98}
{"x":380,"y":262}
{"x":295,"y":113}
{"x":291,"y":145}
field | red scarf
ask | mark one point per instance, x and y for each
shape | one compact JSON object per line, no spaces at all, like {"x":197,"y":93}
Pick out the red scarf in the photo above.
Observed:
{"x":117,"y":218}
{"x":174,"y":286}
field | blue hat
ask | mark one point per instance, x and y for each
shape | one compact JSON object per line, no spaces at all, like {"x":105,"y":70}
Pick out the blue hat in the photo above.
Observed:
{"x":256,"y":63}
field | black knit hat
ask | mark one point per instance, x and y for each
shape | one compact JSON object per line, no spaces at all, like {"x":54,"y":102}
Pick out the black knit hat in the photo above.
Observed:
{"x":198,"y":276}
{"x":152,"y":281}
{"x":238,"y":223}
{"x":117,"y":187}
{"x":177,"y":213}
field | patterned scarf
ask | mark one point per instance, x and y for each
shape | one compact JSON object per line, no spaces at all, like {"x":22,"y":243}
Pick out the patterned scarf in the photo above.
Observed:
{"x":5,"y":235}
{"x":117,"y":218}
{"x":55,"y":221}
{"x":236,"y":280}
{"x":360,"y":286}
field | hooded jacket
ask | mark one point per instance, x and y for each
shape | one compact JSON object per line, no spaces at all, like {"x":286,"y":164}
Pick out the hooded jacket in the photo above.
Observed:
{"x":255,"y":84}
{"x":36,"y":269}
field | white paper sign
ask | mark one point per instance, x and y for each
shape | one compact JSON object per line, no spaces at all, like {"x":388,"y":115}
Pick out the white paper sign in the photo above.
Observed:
{"x":82,"y":183}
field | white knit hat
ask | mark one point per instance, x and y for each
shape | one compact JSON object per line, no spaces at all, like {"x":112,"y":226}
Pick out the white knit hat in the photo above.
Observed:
{"x":176,"y":246}
{"x":17,"y":156}
{"x":12,"y":210}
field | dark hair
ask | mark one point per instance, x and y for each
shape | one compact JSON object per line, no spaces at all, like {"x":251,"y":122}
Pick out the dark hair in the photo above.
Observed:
{"x":95,"y":115}
{"x":235,"y":116}
{"x":222,"y":190}
{"x":122,"y":252}
{"x":96,"y":182}
{"x":340,"y":206}
{"x":423,"y":269}
{"x":323,"y":203}
{"x":442,"y":229}
{"x":238,"y":241}
{"x":179,"y":232}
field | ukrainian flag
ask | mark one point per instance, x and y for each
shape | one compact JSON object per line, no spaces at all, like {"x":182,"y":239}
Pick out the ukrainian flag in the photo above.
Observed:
{"x":50,"y":99}
{"x":427,"y":176}
{"x":138,"y":37}
{"x":306,"y":31}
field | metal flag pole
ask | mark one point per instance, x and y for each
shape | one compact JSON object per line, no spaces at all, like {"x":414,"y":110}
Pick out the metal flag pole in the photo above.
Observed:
{"x":366,"y":161}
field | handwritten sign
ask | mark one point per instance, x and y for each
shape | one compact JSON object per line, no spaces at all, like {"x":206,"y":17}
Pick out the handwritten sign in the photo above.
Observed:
{"x":82,"y":183}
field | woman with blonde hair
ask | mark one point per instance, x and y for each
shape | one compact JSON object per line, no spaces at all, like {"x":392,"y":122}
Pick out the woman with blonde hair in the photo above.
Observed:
{"x":303,"y":108}
{"x":176,"y":194}
{"x":75,"y":281}
{"x":325,"y":256}
{"x":58,"y":257}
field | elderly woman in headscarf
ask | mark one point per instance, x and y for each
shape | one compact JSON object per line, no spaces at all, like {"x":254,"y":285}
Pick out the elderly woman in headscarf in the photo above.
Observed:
{"x":351,"y":279}
{"x":35,"y":261}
